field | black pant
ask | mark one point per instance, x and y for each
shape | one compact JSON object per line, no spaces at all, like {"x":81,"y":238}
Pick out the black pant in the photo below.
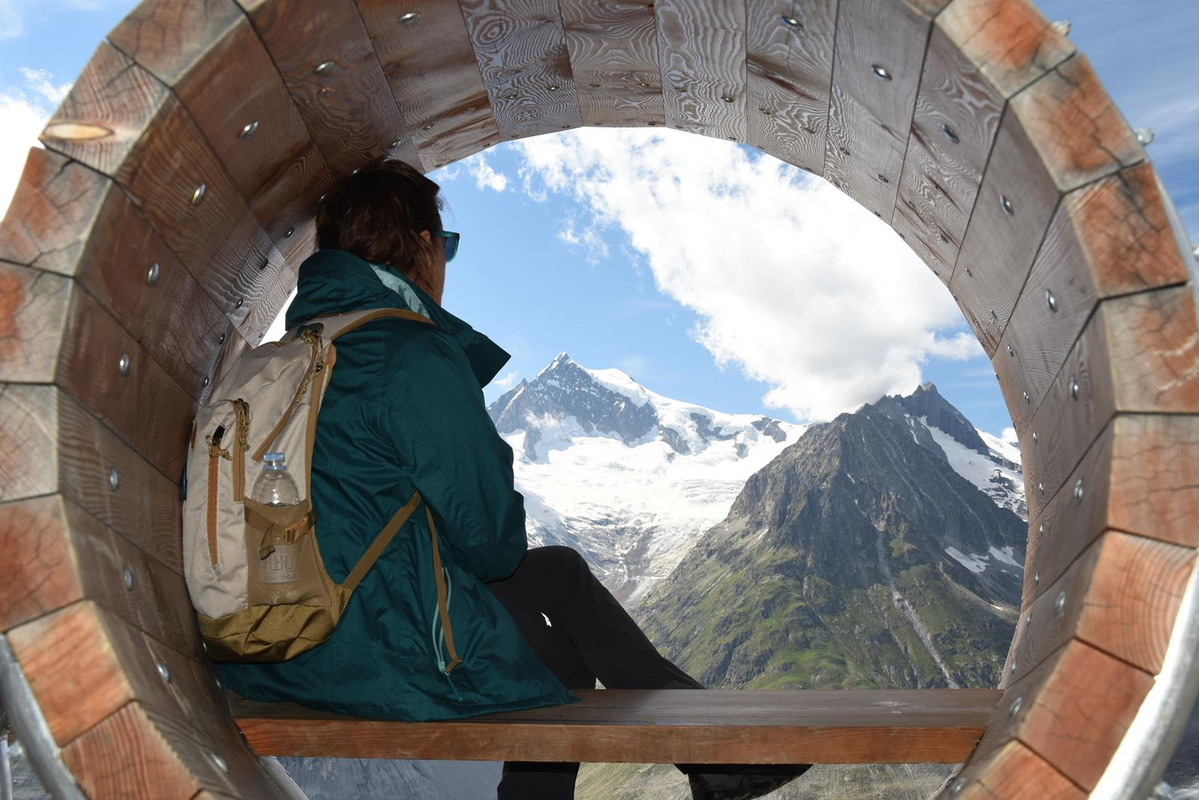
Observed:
{"x":589,"y":636}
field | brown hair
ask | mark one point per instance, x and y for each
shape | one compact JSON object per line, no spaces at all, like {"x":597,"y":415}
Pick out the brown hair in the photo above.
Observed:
{"x":378,"y":213}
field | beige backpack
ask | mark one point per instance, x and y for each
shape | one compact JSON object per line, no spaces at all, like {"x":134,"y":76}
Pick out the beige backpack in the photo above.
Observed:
{"x":232,"y":545}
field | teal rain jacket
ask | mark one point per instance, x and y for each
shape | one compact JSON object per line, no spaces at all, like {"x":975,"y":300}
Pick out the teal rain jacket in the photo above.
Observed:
{"x":404,"y":410}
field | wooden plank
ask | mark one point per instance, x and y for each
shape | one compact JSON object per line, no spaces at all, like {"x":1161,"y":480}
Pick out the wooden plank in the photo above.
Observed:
{"x":431,"y":68}
{"x":27,"y":415}
{"x":1012,"y":212}
{"x":870,"y":116}
{"x":61,"y":554}
{"x":323,"y":51}
{"x":1013,"y":773}
{"x":789,"y":72}
{"x":33,"y":306}
{"x":89,"y":367}
{"x":1108,"y":238}
{"x":171,"y":37}
{"x":714,"y":726}
{"x":701,"y":53}
{"x":521,"y":50}
{"x":1121,"y":596}
{"x":613,"y":48}
{"x":1073,"y":711}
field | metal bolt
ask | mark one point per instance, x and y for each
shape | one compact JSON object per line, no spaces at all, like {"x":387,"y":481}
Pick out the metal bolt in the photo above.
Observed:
{"x":1015,"y":709}
{"x":127,"y":578}
{"x":941,"y":236}
{"x":198,"y":194}
{"x":219,"y":762}
{"x":248,"y":130}
{"x":114,"y":479}
{"x":844,"y":150}
{"x":1061,"y":27}
{"x":1050,"y":300}
{"x":322,"y":67}
{"x":792,"y":22}
{"x":653,"y":122}
{"x":123,"y":364}
{"x":1034,"y":437}
{"x":1027,"y":399}
{"x":471,"y":108}
{"x":766,"y":111}
{"x":594,"y":85}
{"x":883,"y":178}
{"x":1195,"y":252}
{"x":880,"y":72}
{"x":1006,"y":205}
{"x":163,"y":672}
{"x":1041,"y":529}
{"x":1145,"y":136}
{"x":969,"y":273}
{"x":1059,"y":605}
{"x":1078,"y":491}
{"x":427,"y":126}
{"x":396,"y":144}
{"x":1036,"y":577}
{"x":553,"y":87}
{"x":1010,"y":351}
{"x":958,"y":785}
{"x":880,"y":216}
{"x":322,"y":198}
{"x":1073,"y":388}
{"x":290,"y":231}
{"x":726,"y":98}
{"x":1040,"y":489}
{"x":410,"y":17}
{"x":240,"y":302}
{"x":206,"y":379}
{"x":325,"y":90}
{"x":221,"y":340}
{"x":152,"y":274}
{"x":1028,"y":620}
{"x":511,"y":95}
{"x":949,"y":132}
{"x":1015,"y":666}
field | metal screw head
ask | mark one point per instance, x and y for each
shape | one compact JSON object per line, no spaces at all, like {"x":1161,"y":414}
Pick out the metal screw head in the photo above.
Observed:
{"x":163,"y":672}
{"x":792,"y":22}
{"x":1028,"y":620}
{"x":1061,"y":27}
{"x":1145,"y":136}
{"x":248,"y":130}
{"x":844,"y":150}
{"x":152,"y":274}
{"x":511,"y":95}
{"x":958,"y":785}
{"x":206,"y":380}
{"x":1041,"y":489}
{"x":322,"y":67}
{"x":1015,"y":709}
{"x":396,"y":144}
{"x":198,"y":194}
{"x":127,"y":578}
{"x":1050,"y":300}
{"x":728,"y":98}
{"x":1006,"y":205}
{"x":240,"y":302}
{"x":123,"y":364}
{"x":1059,"y":605}
{"x":553,"y":87}
{"x":1073,"y":388}
{"x":880,"y":216}
{"x":221,"y":340}
{"x":1041,"y":528}
{"x":409,"y":18}
{"x":290,"y":231}
{"x":428,"y":126}
{"x":941,"y":236}
{"x":950,"y":133}
{"x":322,"y":198}
{"x":1078,"y":490}
{"x":969,"y":273}
{"x":1195,"y":252}
{"x":219,"y":763}
{"x":883,"y":178}
{"x":114,"y":479}
{"x":653,"y":122}
{"x":1015,"y":666}
{"x":593,"y":85}
{"x":765,"y":111}
{"x":1034,"y":437}
{"x":471,"y":108}
{"x":1027,"y":399}
{"x":880,"y":72}
{"x":1036,"y":577}
{"x":1010,"y":351}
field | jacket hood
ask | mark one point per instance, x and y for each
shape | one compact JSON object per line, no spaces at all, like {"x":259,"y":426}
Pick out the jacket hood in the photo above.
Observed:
{"x":336,"y":282}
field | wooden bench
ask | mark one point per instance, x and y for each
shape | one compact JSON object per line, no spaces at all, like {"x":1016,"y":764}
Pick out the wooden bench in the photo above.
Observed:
{"x":717,"y":726}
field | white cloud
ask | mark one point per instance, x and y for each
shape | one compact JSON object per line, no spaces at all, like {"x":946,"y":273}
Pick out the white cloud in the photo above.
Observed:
{"x":24,"y":117}
{"x":486,"y":176}
{"x":589,"y":240}
{"x":42,"y":82}
{"x":506,"y":382}
{"x":793,"y":283}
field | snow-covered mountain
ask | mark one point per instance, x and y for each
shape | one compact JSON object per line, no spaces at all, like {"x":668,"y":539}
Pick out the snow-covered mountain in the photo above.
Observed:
{"x":625,"y":475}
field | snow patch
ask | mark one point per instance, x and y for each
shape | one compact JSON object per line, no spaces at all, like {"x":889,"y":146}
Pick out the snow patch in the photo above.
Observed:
{"x":1006,"y":556}
{"x":972,"y":562}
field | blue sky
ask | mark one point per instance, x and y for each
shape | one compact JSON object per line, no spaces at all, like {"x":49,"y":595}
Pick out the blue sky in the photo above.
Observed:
{"x":707,"y":271}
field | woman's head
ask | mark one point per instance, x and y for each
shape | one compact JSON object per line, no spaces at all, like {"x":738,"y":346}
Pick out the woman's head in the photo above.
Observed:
{"x":387,"y":213}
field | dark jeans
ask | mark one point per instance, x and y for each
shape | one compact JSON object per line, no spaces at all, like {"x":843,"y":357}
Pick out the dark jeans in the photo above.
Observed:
{"x":589,"y":636}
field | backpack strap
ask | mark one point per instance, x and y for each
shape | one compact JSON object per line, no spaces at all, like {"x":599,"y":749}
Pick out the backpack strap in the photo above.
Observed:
{"x":340,"y":324}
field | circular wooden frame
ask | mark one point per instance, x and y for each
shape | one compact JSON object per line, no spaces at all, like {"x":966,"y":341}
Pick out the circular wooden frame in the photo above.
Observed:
{"x":160,"y":230}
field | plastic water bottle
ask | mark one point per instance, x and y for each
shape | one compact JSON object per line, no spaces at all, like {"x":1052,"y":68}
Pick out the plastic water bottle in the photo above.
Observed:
{"x":276,"y":488}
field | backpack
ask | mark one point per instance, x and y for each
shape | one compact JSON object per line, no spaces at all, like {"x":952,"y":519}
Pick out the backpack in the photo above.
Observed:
{"x":269,"y":401}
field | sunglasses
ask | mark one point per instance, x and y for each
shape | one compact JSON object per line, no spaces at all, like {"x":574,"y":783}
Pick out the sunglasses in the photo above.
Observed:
{"x":451,"y":239}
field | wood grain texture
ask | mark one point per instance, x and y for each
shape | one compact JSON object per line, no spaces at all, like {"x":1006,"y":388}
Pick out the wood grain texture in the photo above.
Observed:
{"x":999,"y":247}
{"x":869,"y":117}
{"x":716,"y":726}
{"x":520,"y":47}
{"x":88,"y":368}
{"x":431,"y":69}
{"x":34,"y":305}
{"x":171,"y":37}
{"x":1154,"y":343}
{"x":110,"y":105}
{"x":1075,"y":127}
{"x":789,"y":71}
{"x":1073,"y":711}
{"x":701,"y":53}
{"x":348,"y":106}
{"x":27,"y":435}
{"x":1012,"y":773}
{"x":613,"y":47}
{"x":1121,"y":595}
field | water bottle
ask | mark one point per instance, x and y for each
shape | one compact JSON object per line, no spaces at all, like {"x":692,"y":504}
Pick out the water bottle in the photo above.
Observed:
{"x":276,"y":488}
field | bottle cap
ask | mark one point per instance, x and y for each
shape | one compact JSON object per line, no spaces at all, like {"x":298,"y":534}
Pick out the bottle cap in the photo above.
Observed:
{"x":270,"y":457}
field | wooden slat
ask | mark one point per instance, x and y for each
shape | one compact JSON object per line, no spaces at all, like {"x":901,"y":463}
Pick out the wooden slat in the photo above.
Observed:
{"x":614,"y":59}
{"x":714,"y":726}
{"x":61,"y":554}
{"x":431,"y":68}
{"x":1120,"y":596}
{"x":701,"y":53}
{"x":1073,"y":711}
{"x":521,"y":50}
{"x":27,"y":424}
{"x":93,"y":347}
{"x":348,"y":107}
{"x":1013,"y":773}
{"x":33,"y":306}
{"x":789,"y":71}
{"x":869,"y":117}
{"x":1108,"y":238}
